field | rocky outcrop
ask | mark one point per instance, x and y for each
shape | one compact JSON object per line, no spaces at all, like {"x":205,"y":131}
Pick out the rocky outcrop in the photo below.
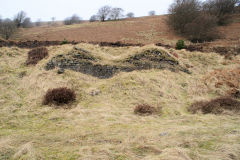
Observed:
{"x":82,"y":61}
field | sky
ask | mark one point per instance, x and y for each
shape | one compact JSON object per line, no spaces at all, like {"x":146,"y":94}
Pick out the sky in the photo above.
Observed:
{"x":60,"y":9}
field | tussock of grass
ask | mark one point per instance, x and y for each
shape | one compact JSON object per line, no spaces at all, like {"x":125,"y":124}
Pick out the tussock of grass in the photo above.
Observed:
{"x":36,"y":54}
{"x":216,"y":106}
{"x":145,"y":109}
{"x":59,"y":96}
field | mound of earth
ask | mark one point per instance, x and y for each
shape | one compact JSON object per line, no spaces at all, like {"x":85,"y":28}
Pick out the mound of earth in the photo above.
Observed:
{"x":152,"y":58}
{"x":82,"y":61}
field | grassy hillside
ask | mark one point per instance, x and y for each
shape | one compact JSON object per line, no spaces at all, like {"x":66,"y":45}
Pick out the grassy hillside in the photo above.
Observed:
{"x":145,"y":30}
{"x":101,"y":123}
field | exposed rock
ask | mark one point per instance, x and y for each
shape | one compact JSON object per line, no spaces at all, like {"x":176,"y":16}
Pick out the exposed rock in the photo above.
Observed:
{"x":82,"y":61}
{"x":60,"y":71}
{"x":95,"y":92}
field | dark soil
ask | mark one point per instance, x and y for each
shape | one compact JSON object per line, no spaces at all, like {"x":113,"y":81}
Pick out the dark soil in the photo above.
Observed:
{"x":216,"y":106}
{"x":81,"y":61}
{"x":116,"y":44}
{"x":33,"y":44}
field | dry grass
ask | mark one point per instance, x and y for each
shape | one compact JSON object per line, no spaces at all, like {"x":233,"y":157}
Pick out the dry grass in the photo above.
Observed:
{"x":59,"y":96}
{"x":145,"y":109}
{"x":216,"y":106}
{"x":103,"y":125}
{"x":36,"y":54}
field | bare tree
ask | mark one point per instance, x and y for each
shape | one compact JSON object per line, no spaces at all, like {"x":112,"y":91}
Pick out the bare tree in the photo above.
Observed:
{"x":19,"y":18}
{"x":116,"y":13}
{"x":151,"y":13}
{"x":27,"y":23}
{"x":93,"y":18}
{"x":222,"y":9}
{"x":130,"y":15}
{"x":7,"y":28}
{"x":103,"y":13}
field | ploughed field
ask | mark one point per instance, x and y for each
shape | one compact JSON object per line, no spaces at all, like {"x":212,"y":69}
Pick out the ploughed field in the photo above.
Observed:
{"x":132,"y":102}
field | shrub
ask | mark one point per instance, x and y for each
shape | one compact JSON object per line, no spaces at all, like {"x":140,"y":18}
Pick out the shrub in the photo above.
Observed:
{"x":144,"y":109}
{"x":7,"y":29}
{"x":93,"y":18}
{"x":182,"y":12}
{"x":27,"y":23}
{"x":36,"y":54}
{"x":215,"y":106}
{"x":59,"y":96}
{"x":65,"y":41}
{"x":189,"y":19}
{"x":130,"y":15}
{"x":203,"y":28}
{"x":74,"y":19}
{"x":180,"y":44}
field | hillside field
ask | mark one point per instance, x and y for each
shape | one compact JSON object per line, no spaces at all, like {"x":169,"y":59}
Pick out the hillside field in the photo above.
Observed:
{"x":145,"y":30}
{"x":103,"y":125}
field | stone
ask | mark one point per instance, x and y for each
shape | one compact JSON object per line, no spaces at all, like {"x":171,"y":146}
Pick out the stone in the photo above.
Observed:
{"x":60,"y":71}
{"x":95,"y":92}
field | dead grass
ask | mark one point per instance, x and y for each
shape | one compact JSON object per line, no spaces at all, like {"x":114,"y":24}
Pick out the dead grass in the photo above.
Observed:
{"x":145,"y":109}
{"x":36,"y":54}
{"x":216,"y":106}
{"x":103,"y":125}
{"x":59,"y":96}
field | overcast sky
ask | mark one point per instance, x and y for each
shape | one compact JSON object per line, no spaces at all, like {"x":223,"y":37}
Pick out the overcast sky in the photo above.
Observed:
{"x":45,"y":9}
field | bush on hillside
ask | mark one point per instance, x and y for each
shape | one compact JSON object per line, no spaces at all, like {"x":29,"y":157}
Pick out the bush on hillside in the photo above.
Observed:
{"x":180,"y":45}
{"x":202,"y":28}
{"x":188,"y":19}
{"x":183,"y":12}
{"x":74,"y":19}
{"x":59,"y":96}
{"x":65,"y":41}
{"x":215,"y":106}
{"x":145,"y":109}
{"x":36,"y":54}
